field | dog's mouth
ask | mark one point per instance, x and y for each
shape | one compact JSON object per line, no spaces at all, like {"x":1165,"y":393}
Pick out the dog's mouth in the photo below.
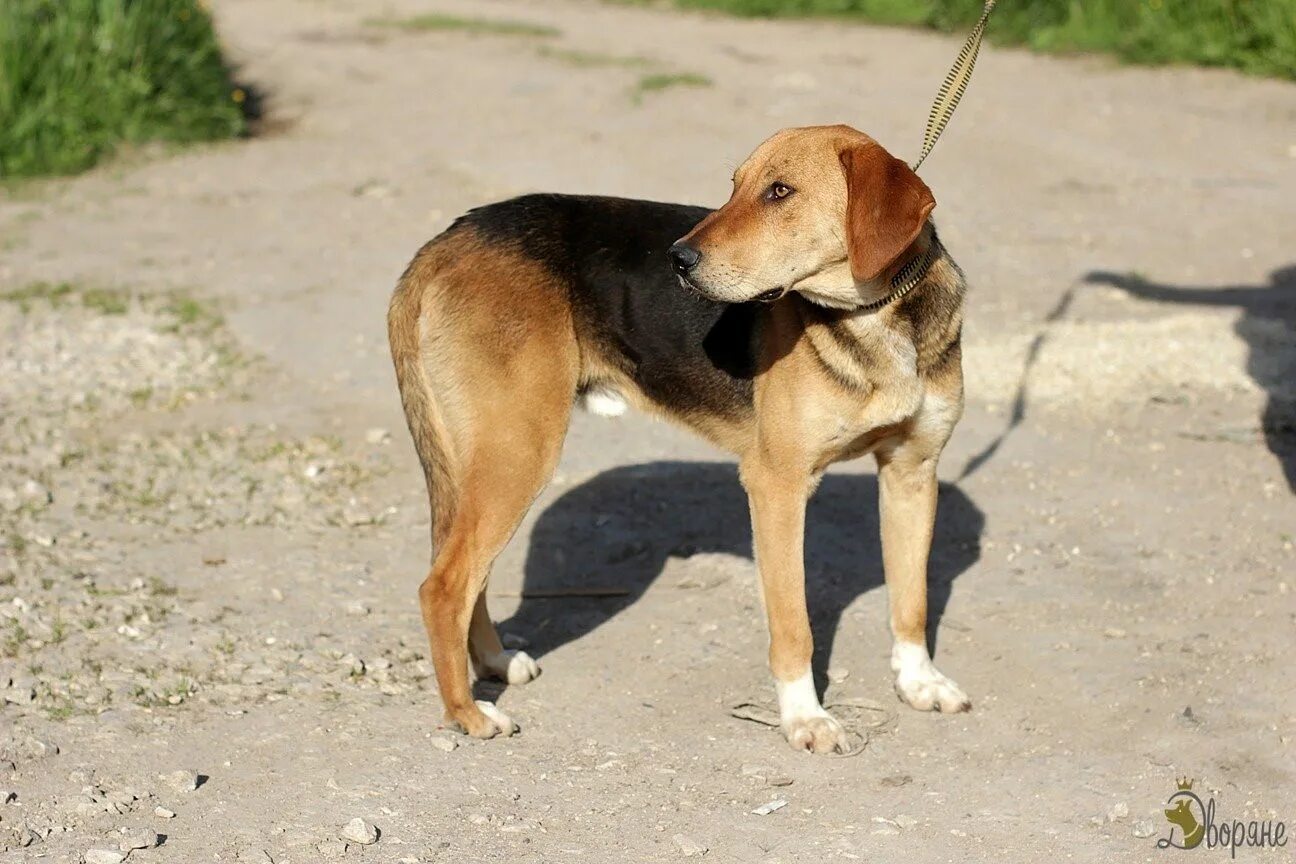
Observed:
{"x":764,"y":297}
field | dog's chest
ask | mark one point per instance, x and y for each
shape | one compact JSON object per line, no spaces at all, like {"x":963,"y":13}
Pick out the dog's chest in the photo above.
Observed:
{"x":880,"y":388}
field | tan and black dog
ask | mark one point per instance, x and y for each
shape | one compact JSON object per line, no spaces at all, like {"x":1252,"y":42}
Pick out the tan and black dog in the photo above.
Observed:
{"x":815,"y":317}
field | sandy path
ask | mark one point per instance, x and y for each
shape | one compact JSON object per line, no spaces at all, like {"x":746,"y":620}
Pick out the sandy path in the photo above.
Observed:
{"x":1124,"y":555}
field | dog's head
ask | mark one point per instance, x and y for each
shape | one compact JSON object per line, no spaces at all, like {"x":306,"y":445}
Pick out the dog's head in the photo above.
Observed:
{"x":1181,"y":815}
{"x":823,"y":210}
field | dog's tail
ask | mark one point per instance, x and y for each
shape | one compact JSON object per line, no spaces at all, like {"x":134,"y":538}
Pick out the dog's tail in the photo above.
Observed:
{"x":427,"y":425}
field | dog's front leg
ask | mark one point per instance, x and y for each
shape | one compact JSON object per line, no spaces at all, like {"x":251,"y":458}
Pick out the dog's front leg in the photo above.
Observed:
{"x":778,"y":504}
{"x":907,"y":488}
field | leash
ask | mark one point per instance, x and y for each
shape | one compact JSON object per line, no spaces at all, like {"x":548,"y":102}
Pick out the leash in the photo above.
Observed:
{"x":947,"y":99}
{"x":956,"y":82}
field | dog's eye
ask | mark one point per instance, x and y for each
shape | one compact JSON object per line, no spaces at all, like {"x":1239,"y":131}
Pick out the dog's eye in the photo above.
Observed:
{"x":777,"y":191}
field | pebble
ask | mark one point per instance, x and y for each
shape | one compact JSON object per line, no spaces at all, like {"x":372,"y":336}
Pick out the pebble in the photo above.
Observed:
{"x":1144,"y":828}
{"x":377,"y":435}
{"x":837,"y":676}
{"x":103,"y":856}
{"x":896,"y":780}
{"x":1118,"y":811}
{"x":332,"y":848}
{"x":8,"y":796}
{"x":767,"y":809}
{"x":137,"y":838}
{"x":163,"y":813}
{"x":181,"y":781}
{"x":689,"y":847}
{"x":360,"y":831}
{"x":445,"y":745}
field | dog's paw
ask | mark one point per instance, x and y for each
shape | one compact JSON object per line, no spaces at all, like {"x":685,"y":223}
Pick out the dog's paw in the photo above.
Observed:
{"x":929,"y":690}
{"x":515,"y":667}
{"x":486,"y":722}
{"x":921,"y":685}
{"x":817,"y":733}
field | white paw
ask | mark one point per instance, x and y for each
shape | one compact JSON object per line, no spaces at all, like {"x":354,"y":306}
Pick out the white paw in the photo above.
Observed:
{"x":503,"y":724}
{"x":921,"y":685}
{"x":515,"y":667}
{"x":805,"y":724}
{"x":818,"y":733}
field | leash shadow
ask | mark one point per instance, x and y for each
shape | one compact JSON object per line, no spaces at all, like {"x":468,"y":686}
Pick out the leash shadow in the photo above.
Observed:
{"x":1271,"y":362}
{"x":617,"y":531}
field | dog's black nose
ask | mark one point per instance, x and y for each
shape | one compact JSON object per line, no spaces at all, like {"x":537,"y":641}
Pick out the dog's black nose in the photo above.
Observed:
{"x":683,"y":258}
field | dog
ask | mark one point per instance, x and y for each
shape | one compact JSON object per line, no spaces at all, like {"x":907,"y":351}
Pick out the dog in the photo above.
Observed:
{"x":814,"y":317}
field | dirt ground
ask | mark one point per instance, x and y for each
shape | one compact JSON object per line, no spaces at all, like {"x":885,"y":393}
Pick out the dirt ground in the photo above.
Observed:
{"x":214,"y":524}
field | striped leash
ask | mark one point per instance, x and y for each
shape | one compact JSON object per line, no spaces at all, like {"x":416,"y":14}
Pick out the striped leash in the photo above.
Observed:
{"x":956,"y":81}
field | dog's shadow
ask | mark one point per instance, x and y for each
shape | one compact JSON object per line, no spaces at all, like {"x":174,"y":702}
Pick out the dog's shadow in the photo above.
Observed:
{"x":614,"y":533}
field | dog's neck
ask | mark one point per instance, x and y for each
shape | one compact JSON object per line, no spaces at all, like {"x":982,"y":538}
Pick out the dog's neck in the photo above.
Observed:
{"x":835,"y":287}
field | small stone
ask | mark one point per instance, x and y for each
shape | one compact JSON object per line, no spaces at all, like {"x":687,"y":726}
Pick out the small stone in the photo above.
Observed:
{"x":896,"y":780}
{"x":445,"y":745}
{"x":181,"y":781}
{"x":1114,"y":633}
{"x":357,"y":609}
{"x":512,"y":640}
{"x":758,"y":771}
{"x":103,"y":856}
{"x":8,"y":796}
{"x":332,"y":848}
{"x":360,"y":831}
{"x":377,"y":435}
{"x":20,"y":695}
{"x":35,"y":494}
{"x":766,"y":809}
{"x":1143,"y":828}
{"x":837,"y":676}
{"x":1118,"y":811}
{"x":26,"y":836}
{"x":689,"y":847}
{"x":137,"y":838}
{"x":355,"y":516}
{"x":163,"y":813}
{"x":780,"y":780}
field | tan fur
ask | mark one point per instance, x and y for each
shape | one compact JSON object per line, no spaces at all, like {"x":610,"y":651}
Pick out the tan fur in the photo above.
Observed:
{"x":488,"y":421}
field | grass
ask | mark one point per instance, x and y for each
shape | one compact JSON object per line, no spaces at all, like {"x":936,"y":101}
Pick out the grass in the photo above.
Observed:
{"x":470,"y":26}
{"x":1255,"y":36}
{"x":659,"y":81}
{"x":80,"y":78}
{"x":593,"y":59}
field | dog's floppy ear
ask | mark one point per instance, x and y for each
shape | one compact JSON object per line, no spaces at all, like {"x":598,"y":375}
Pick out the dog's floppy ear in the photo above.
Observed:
{"x":887,"y":204}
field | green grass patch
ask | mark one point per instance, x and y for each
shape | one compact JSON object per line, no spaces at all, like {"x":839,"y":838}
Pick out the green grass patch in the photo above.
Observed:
{"x":1255,"y":36}
{"x":659,"y":81}
{"x":43,"y":292}
{"x":106,"y":301}
{"x":79,"y":78}
{"x":593,"y":59}
{"x":434,"y":22}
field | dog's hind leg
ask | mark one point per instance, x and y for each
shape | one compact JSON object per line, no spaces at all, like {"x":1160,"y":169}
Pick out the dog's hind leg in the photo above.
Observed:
{"x":499,"y":487}
{"x":489,"y":656}
{"x":487,"y":363}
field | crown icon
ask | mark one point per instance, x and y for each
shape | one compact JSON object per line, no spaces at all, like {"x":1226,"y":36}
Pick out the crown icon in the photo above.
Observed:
{"x":1184,"y":784}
